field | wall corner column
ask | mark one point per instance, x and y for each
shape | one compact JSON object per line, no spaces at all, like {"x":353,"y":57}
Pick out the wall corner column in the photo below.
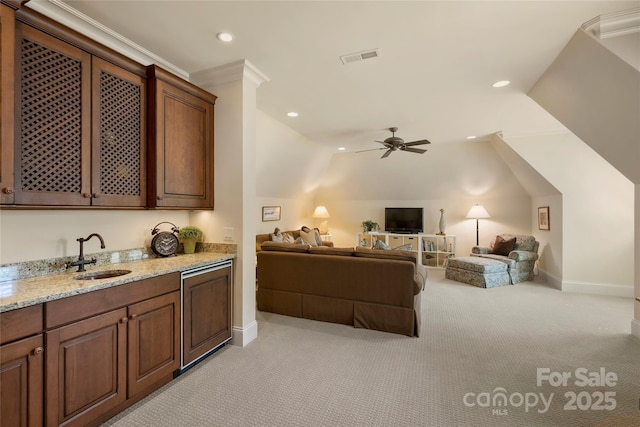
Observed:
{"x":235,"y":85}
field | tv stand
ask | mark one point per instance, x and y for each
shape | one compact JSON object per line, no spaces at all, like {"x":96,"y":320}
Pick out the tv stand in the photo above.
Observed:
{"x":433,"y":250}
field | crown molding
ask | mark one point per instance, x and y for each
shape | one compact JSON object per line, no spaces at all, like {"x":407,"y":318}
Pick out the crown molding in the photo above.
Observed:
{"x":614,"y":24}
{"x":228,"y":73}
{"x":72,"y":18}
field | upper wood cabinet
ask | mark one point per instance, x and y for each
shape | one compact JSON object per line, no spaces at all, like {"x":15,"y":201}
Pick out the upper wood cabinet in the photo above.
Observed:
{"x":79,"y":126}
{"x":180,"y":142}
{"x":7,"y":76}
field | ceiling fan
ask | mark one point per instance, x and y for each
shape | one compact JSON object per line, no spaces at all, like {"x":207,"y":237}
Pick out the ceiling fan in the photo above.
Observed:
{"x":394,"y":143}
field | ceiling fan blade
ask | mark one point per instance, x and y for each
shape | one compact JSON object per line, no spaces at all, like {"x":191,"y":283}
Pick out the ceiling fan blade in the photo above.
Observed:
{"x":421,"y":142}
{"x":414,"y":150}
{"x":385,"y":143}
{"x":386,"y":154}
{"x":371,"y":149}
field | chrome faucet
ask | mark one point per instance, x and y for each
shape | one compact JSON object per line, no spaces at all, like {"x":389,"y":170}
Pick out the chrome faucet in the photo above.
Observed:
{"x":81,"y":261}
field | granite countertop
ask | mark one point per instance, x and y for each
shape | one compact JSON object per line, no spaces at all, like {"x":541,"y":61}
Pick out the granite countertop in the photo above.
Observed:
{"x":25,"y":292}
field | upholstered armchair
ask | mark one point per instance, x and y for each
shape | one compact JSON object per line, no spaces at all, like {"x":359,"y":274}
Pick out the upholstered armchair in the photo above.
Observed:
{"x":519,"y":252}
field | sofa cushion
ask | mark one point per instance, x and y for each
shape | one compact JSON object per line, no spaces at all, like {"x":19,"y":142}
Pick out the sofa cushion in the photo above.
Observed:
{"x":477,"y":264}
{"x":390,"y":254}
{"x":310,"y":237}
{"x":503,"y":246}
{"x":326,"y":250}
{"x":284,"y":247}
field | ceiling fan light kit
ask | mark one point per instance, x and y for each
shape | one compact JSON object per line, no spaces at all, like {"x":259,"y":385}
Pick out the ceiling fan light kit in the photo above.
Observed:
{"x":394,"y":143}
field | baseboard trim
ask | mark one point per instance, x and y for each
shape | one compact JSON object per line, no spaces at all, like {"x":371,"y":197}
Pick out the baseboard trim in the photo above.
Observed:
{"x":598,"y":289}
{"x":243,"y":336}
{"x":635,"y":327}
{"x":554,"y":281}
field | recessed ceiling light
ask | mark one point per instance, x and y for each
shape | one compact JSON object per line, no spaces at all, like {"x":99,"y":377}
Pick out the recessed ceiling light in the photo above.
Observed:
{"x":471,"y":137}
{"x":341,"y":148}
{"x":501,"y":83}
{"x":292,"y":114}
{"x":225,"y":37}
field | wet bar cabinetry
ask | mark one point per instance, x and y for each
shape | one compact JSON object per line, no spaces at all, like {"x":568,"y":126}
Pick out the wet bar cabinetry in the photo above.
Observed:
{"x":21,"y":367}
{"x":79,"y":120}
{"x":83,"y":126}
{"x":180,"y":142}
{"x":107,"y":349}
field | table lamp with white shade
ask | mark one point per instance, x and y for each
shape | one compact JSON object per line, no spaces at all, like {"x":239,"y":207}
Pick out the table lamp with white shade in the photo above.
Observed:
{"x":322,"y":213}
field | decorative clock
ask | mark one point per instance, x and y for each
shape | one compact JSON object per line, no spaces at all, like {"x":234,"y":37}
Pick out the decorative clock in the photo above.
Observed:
{"x":164,"y":243}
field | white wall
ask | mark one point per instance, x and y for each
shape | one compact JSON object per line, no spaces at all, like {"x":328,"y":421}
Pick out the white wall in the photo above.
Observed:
{"x":41,"y":234}
{"x":551,"y":241}
{"x":289,"y":169}
{"x":597,"y":212}
{"x":594,"y":92}
{"x":508,"y":215}
{"x":358,"y":186}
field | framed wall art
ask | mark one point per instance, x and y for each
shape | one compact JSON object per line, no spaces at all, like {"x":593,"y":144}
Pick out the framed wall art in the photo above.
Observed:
{"x":543,"y":218}
{"x":270,"y":213}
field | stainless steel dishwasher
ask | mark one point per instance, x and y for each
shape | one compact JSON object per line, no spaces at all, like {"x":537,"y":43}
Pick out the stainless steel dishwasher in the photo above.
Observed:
{"x":206,"y":297}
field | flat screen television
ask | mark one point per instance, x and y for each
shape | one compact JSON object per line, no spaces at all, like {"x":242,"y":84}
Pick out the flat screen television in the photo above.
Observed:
{"x":403,"y":220}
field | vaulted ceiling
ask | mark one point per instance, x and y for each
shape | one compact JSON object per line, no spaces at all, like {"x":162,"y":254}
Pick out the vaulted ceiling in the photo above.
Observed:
{"x":432,"y":79}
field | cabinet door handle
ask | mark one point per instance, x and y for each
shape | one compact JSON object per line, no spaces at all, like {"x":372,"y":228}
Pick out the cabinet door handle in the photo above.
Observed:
{"x":37,"y":350}
{"x":86,"y":195}
{"x":96,"y":195}
{"x":8,"y":190}
{"x":124,"y":320}
{"x":159,"y":197}
{"x":133,"y":316}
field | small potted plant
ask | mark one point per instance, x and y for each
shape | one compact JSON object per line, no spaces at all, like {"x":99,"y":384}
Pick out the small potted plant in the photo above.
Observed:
{"x":189,"y":236}
{"x":369,"y":225}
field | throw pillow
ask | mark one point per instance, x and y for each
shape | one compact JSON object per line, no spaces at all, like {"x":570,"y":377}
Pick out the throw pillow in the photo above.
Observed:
{"x":300,"y":241}
{"x":503,"y":247}
{"x":318,"y":239}
{"x":309,"y":236}
{"x":287,"y":238}
{"x":406,"y":247}
{"x":276,"y":236}
{"x":381,"y":245}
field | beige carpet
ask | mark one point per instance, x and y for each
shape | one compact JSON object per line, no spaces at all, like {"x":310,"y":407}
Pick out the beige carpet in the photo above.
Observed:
{"x":475,"y":344}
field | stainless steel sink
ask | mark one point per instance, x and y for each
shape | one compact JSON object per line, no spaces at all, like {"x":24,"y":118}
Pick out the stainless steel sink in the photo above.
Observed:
{"x":95,"y":275}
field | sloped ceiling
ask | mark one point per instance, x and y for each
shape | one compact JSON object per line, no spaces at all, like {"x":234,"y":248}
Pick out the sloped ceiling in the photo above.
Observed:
{"x":433,"y":78}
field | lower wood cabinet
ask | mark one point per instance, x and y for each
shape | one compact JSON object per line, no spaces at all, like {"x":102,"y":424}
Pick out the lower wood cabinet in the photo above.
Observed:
{"x":99,"y":365}
{"x":154,"y":342}
{"x":86,"y":369}
{"x":207,"y":312}
{"x":21,"y":382}
{"x":78,"y":361}
{"x":21,"y":367}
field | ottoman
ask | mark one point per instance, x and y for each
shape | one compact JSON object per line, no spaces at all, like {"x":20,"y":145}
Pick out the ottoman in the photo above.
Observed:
{"x":476,"y":271}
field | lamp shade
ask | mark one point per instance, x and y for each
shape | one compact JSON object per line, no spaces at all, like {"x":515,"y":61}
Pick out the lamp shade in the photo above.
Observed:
{"x":321,"y":212}
{"x":478,"y":211}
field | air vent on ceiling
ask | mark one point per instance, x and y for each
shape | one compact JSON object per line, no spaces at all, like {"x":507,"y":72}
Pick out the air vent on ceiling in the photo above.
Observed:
{"x":360,"y":56}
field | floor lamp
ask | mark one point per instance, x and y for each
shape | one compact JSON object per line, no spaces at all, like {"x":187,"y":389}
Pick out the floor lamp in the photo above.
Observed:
{"x":476,"y":212}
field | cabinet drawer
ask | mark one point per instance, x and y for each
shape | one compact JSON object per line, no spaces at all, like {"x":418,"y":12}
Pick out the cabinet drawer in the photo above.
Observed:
{"x":20,"y":323}
{"x":78,"y":307}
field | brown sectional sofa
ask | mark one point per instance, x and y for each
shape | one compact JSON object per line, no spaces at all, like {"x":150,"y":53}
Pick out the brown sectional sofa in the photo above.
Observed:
{"x":373,"y":289}
{"x":261,"y":238}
